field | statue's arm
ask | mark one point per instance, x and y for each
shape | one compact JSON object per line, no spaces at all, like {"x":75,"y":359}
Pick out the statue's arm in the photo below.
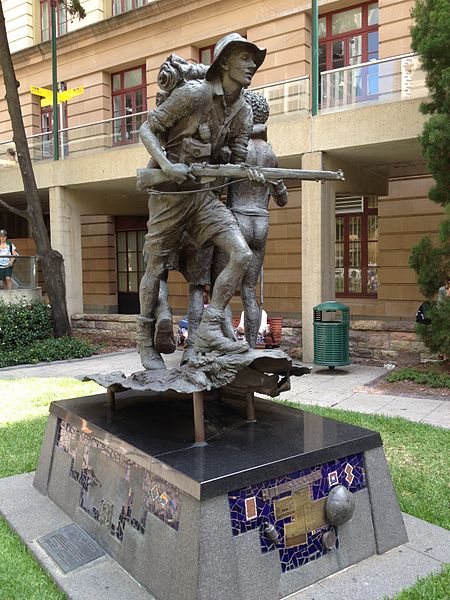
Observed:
{"x":277,"y":189}
{"x":159,"y":121}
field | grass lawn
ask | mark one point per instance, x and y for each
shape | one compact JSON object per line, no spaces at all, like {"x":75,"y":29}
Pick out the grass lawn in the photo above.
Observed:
{"x":413,"y":451}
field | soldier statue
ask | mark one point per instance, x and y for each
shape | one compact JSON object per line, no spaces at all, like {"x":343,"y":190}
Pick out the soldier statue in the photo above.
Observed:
{"x":207,"y":119}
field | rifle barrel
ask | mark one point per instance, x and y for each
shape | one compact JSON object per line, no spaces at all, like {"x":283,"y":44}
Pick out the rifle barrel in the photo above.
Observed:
{"x":150,"y":177}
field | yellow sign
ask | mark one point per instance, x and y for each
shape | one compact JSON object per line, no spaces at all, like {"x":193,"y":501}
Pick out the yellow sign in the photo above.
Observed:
{"x":62,"y":96}
{"x":38,"y":91}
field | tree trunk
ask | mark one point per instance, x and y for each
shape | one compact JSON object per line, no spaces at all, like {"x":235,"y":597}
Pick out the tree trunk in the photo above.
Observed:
{"x":51,"y":260}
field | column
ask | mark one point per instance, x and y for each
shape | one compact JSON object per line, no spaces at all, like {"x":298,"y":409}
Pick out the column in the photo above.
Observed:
{"x":65,"y":234}
{"x":318,"y":238}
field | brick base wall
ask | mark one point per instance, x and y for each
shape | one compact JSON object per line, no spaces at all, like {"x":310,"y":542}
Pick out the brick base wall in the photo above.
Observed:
{"x":371,"y":342}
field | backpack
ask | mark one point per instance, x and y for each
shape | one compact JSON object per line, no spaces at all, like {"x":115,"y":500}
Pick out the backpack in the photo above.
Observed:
{"x":421,"y":313}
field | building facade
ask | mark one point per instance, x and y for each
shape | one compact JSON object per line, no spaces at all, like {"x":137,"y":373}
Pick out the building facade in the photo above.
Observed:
{"x":349,"y":240}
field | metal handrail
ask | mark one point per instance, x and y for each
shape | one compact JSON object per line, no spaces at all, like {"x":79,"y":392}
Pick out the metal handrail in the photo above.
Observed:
{"x":368,"y":63}
{"x":74,"y":127}
{"x":277,"y":83}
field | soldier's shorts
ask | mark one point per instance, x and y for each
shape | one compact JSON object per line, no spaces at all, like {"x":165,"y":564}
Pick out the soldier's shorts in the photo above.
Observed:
{"x":201,"y":215}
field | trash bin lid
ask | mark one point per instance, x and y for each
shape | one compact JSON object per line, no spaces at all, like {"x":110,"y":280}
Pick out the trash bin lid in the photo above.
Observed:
{"x":332,"y":305}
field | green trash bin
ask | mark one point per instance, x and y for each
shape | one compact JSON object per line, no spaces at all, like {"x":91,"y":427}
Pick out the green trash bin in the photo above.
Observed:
{"x":331,"y":334}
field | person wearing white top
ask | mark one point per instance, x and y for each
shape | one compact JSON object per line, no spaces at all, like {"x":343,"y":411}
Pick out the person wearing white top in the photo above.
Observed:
{"x":7,"y":251}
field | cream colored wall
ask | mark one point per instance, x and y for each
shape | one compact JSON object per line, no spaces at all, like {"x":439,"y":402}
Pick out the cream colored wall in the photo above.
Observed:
{"x":99,"y":264}
{"x":19,"y":23}
{"x":395,"y":22}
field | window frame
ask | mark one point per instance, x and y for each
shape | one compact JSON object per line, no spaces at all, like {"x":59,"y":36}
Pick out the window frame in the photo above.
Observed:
{"x":330,"y":38}
{"x":209,"y":48}
{"x":121,"y":92}
{"x":61,"y":19}
{"x":123,"y":10}
{"x":364,"y":241}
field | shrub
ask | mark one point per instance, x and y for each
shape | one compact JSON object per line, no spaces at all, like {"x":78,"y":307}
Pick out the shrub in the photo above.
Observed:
{"x":48,"y":350}
{"x":432,"y":378}
{"x":436,"y":335}
{"x":23,"y":324}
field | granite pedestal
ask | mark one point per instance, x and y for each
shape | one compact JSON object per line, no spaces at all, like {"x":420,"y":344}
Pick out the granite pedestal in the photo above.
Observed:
{"x":242,"y":517}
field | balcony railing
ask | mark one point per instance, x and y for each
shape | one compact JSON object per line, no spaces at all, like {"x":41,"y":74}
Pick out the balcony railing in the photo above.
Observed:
{"x":83,"y":139}
{"x":385,"y":80}
{"x":24,"y":273}
{"x":286,"y":96}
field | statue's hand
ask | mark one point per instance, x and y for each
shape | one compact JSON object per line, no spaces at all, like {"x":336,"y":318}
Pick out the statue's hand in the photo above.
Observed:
{"x":178,"y":172}
{"x":255,"y":176}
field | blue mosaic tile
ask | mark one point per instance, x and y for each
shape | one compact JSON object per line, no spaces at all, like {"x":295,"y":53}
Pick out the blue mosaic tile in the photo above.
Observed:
{"x":263,"y":498}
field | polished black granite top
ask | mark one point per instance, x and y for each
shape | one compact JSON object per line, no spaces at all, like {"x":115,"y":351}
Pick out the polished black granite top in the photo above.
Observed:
{"x":237,"y":453}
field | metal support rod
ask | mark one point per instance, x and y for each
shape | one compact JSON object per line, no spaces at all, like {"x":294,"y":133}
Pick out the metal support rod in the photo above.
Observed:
{"x":250,"y":407}
{"x":110,"y":399}
{"x":199,"y":423}
{"x":53,"y":5}
{"x":315,"y":58}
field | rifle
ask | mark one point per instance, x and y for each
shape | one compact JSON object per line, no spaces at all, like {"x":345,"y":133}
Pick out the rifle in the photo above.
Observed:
{"x":149,"y":177}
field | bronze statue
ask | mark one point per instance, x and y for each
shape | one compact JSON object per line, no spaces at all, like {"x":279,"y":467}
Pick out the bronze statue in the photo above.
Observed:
{"x":249,"y":205}
{"x":207,"y":119}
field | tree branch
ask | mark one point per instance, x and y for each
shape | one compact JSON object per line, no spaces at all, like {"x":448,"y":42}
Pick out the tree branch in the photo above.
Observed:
{"x":16,"y":211}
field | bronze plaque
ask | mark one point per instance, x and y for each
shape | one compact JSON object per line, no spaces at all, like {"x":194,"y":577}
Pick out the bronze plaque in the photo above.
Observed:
{"x":315,"y":516}
{"x":70,"y":547}
{"x":293,"y":536}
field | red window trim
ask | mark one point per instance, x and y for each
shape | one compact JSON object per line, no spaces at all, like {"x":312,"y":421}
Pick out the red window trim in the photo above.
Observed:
{"x":211,"y":50}
{"x":123,"y":9}
{"x":364,"y":252}
{"x":121,"y":92}
{"x":49,"y":20}
{"x":364,"y":29}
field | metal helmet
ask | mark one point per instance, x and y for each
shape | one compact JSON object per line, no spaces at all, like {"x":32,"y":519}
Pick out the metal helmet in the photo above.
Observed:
{"x":226,"y":42}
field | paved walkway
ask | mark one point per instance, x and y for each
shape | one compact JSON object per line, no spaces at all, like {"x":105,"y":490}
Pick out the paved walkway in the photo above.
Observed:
{"x":345,"y":388}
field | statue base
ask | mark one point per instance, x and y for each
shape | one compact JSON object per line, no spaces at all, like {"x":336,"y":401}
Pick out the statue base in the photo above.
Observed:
{"x":240,"y":517}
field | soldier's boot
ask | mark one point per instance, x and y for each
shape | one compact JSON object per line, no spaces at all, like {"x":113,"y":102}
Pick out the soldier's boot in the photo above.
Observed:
{"x":164,"y":339}
{"x":188,"y":351}
{"x":227,"y":326}
{"x":150,"y":357}
{"x":210,"y":335}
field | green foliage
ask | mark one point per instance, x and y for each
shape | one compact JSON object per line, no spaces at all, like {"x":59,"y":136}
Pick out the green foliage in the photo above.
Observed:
{"x":430,"y":39}
{"x":435,"y":141}
{"x":74,"y":7}
{"x":26,"y":336}
{"x":432,"y":587}
{"x":23,"y":324}
{"x":436,"y":335}
{"x":48,"y":350}
{"x":433,"y":378}
{"x":430,"y":265}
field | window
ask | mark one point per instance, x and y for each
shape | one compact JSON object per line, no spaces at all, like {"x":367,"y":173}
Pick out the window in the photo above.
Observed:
{"x":350,"y":37}
{"x":130,"y":261}
{"x":121,"y":6}
{"x":206,"y":54}
{"x":128,"y":100}
{"x":47,"y":130}
{"x":46,"y":20}
{"x":356,"y":255}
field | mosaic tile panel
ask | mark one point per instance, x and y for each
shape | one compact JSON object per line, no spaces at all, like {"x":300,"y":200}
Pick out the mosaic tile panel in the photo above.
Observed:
{"x":115,"y":491}
{"x":295,"y":506}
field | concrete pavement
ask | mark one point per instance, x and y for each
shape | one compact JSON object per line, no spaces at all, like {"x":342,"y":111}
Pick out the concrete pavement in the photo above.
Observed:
{"x":345,"y":388}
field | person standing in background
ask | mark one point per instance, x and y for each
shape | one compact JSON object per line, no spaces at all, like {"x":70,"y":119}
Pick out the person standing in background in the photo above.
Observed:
{"x":7,"y":252}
